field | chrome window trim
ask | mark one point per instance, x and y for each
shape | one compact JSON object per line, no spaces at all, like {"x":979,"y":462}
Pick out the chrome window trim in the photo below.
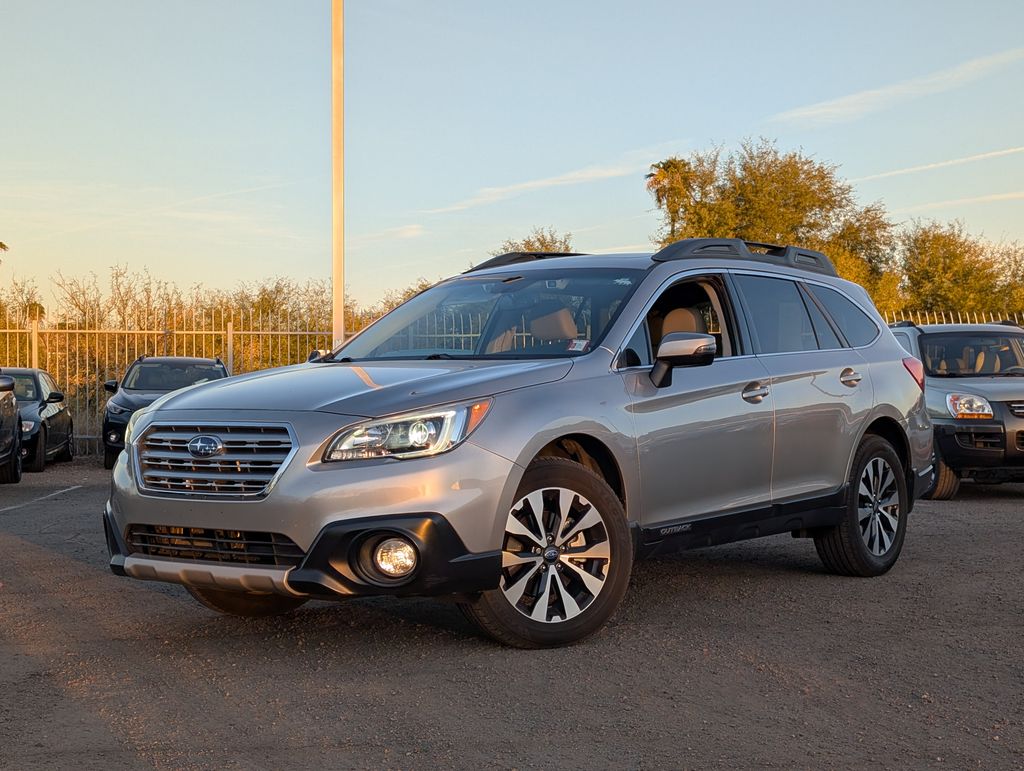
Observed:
{"x":147,"y":492}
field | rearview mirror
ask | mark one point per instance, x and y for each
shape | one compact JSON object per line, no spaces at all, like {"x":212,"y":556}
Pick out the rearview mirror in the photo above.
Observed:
{"x":682,"y":349}
{"x":111,"y":386}
{"x":55,"y":397}
{"x":6,"y":383}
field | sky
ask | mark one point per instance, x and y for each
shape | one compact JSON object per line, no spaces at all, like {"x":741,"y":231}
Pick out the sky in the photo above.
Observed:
{"x":192,"y":138}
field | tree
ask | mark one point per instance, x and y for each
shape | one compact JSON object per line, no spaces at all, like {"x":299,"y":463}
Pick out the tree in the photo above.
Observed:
{"x":759,"y":193}
{"x":3,"y":248}
{"x":539,"y":240}
{"x":947,"y":269}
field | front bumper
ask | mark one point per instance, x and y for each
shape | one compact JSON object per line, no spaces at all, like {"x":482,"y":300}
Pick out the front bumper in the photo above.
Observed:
{"x":332,"y":569}
{"x":114,"y":426}
{"x":980,"y":447}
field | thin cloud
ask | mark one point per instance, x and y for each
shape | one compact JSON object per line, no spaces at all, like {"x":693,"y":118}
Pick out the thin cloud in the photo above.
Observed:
{"x":1017,"y":196}
{"x":853,"y":106}
{"x":941,"y":164}
{"x":402,"y":232}
{"x":633,"y":162}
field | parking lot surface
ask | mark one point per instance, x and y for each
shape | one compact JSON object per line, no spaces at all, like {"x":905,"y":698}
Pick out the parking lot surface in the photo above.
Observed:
{"x":737,"y":656}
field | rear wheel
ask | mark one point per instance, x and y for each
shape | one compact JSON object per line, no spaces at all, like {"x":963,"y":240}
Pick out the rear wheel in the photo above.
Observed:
{"x":947,"y":483}
{"x":110,"y":458}
{"x":245,"y":603}
{"x":38,"y":460}
{"x":566,"y":559}
{"x":869,"y":539}
{"x":10,"y":472}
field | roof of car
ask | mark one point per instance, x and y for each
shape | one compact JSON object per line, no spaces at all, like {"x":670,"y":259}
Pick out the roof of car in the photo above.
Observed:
{"x":178,"y":360}
{"x":20,"y":371}
{"x":990,"y":328}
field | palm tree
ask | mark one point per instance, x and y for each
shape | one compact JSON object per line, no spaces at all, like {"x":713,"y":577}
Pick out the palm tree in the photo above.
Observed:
{"x":667,"y":182}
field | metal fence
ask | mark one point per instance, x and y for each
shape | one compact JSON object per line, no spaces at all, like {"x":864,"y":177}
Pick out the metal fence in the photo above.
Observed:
{"x":953,"y":317}
{"x":81,"y":358}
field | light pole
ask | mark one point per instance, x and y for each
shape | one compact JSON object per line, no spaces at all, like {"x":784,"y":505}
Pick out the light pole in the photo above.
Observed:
{"x":338,"y":170}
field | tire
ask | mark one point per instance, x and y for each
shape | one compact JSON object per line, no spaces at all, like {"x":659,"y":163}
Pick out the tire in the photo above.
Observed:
{"x":10,"y":472}
{"x":947,"y":484}
{"x":870,"y":537}
{"x":546,"y":597}
{"x":38,"y":460}
{"x":245,"y":603}
{"x":68,"y":453}
{"x":110,"y":458}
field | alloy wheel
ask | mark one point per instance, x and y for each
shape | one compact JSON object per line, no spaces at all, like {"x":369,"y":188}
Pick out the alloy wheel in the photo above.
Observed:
{"x":878,"y":506}
{"x":555,"y":556}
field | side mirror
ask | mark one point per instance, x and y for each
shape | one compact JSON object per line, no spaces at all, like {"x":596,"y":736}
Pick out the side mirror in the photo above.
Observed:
{"x":55,"y":397}
{"x":6,"y":384}
{"x":111,"y":386}
{"x":682,"y":349}
{"x":316,"y":356}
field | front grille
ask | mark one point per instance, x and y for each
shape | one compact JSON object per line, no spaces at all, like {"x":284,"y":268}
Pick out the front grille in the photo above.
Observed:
{"x":1020,"y":440}
{"x":246,"y":463}
{"x":198,"y":544}
{"x":1017,"y":408}
{"x":979,"y":440}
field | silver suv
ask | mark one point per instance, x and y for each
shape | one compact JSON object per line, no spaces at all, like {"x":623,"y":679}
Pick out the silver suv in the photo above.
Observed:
{"x":514,"y":437}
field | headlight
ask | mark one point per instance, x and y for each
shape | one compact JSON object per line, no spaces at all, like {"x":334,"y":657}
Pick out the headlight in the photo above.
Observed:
{"x":408,"y":436}
{"x":129,"y":430}
{"x":27,"y":426}
{"x":968,"y":406}
{"x":113,"y":409}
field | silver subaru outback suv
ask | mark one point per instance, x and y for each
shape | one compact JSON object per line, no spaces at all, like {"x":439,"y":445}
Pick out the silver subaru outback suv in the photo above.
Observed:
{"x":514,"y":437}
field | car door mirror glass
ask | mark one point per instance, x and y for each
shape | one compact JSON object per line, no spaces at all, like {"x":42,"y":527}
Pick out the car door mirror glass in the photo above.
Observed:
{"x":6,"y":384}
{"x":682,"y":349}
{"x":55,"y":397}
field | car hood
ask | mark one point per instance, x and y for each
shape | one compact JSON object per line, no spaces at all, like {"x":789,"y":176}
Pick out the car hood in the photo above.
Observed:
{"x":995,"y":389}
{"x":135,"y":400}
{"x":366,"y":390}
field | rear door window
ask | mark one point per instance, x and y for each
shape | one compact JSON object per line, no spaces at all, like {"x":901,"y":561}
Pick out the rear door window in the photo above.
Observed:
{"x":778,"y":317}
{"x":855,"y":324}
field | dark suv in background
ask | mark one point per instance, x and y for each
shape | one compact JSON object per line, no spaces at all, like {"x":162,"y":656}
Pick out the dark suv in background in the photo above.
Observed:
{"x":147,"y":379}
{"x":974,"y":390}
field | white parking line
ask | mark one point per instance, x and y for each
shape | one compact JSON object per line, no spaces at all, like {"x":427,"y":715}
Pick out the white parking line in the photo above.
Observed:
{"x":41,"y":498}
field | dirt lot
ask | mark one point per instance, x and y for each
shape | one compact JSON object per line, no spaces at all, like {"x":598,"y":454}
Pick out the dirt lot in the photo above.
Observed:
{"x":739,"y":656}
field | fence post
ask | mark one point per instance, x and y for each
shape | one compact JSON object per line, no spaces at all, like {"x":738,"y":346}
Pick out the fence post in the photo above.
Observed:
{"x":35,"y":343}
{"x":231,"y":347}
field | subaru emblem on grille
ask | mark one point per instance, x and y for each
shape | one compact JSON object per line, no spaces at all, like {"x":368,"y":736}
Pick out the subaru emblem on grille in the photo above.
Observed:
{"x":205,"y":446}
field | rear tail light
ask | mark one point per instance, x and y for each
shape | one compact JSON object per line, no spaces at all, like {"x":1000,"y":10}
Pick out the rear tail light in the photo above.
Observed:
{"x":916,"y":370}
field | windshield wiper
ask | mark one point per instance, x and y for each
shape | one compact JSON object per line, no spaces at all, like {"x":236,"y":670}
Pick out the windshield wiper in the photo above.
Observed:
{"x":436,"y":356}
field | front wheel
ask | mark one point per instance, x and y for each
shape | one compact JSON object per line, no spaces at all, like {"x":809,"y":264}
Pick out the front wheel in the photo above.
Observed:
{"x":565,"y":562}
{"x":38,"y":460}
{"x":245,"y":603}
{"x":68,"y":453}
{"x":110,"y":458}
{"x":947,"y":483}
{"x":870,"y":537}
{"x":10,"y":472}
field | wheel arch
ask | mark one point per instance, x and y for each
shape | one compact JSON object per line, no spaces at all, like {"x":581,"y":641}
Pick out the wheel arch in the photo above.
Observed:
{"x":892,"y":431}
{"x":590,"y":452}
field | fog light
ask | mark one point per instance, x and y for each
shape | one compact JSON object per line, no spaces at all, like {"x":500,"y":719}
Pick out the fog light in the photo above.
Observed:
{"x":113,"y":436}
{"x":395,"y":557}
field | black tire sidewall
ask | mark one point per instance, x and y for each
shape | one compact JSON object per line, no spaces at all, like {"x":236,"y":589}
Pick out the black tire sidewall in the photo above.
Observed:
{"x":38,"y":462}
{"x":514,"y":627}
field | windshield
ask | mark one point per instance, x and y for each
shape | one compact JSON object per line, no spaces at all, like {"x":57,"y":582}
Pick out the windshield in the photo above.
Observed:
{"x":169,"y":376}
{"x":536,"y":314}
{"x":25,"y":388}
{"x":973,"y":354}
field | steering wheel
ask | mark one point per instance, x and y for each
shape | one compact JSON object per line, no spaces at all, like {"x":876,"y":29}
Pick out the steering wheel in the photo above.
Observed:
{"x":1014,"y":369}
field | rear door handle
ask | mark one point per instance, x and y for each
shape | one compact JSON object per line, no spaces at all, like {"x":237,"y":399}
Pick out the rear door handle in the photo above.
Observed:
{"x":849,"y":377}
{"x":755,"y":392}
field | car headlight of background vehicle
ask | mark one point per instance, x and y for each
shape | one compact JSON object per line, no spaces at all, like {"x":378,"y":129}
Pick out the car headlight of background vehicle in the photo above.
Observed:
{"x":27,"y":426}
{"x":114,"y":409}
{"x":412,"y":435}
{"x":968,"y":406}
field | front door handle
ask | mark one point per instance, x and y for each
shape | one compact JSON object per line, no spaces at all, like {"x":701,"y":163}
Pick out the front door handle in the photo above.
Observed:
{"x":849,"y":377}
{"x":755,"y":392}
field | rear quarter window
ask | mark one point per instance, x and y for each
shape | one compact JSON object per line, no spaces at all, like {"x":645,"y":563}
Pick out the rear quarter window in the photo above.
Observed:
{"x":855,"y":324}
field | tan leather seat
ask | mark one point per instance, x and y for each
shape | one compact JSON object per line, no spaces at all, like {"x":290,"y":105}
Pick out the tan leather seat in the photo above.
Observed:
{"x":683,"y":320}
{"x":558,"y":325}
{"x":503,"y":342}
{"x":986,"y":364}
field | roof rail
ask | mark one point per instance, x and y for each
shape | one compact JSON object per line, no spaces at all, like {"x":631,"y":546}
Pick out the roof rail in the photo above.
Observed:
{"x":1009,"y":323}
{"x":903,"y":323}
{"x":511,"y":258}
{"x":738,"y":249}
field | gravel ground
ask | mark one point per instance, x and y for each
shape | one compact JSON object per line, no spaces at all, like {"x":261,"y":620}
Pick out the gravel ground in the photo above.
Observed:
{"x":738,"y":656}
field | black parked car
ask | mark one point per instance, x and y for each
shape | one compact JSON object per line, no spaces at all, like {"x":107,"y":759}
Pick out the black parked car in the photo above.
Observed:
{"x":147,"y":379}
{"x":10,"y":433}
{"x":47,"y":428}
